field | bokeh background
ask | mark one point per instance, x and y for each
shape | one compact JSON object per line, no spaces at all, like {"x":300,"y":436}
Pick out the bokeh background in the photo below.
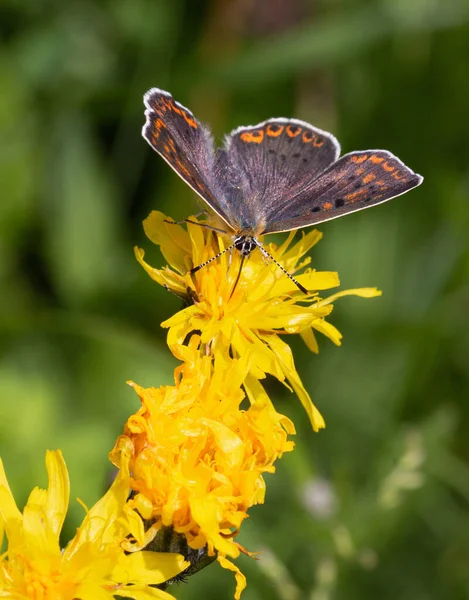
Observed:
{"x":375,"y":506}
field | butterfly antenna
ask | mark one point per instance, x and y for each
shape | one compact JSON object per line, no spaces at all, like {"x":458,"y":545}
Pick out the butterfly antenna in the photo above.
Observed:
{"x":265,"y":253}
{"x":243,"y":258}
{"x":204,"y":264}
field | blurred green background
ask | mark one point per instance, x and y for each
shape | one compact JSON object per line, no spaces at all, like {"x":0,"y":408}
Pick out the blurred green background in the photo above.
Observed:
{"x":375,"y":506}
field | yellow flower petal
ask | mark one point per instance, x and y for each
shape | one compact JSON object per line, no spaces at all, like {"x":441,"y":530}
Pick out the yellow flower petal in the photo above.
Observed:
{"x":240,"y":578}
{"x":285,"y":356}
{"x":172,"y":239}
{"x":163,"y":277}
{"x":300,"y":248}
{"x":208,"y":512}
{"x":58,"y":493}
{"x":142,"y":592}
{"x":8,"y":509}
{"x":227,"y":441}
{"x":361,"y":292}
{"x":148,"y":567}
{"x":91,"y":591}
{"x":96,"y":525}
{"x":313,"y":280}
{"x":329,"y":331}
{"x":310,"y":340}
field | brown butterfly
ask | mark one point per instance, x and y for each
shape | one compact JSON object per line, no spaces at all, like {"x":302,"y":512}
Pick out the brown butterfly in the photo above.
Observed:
{"x":279,"y":175}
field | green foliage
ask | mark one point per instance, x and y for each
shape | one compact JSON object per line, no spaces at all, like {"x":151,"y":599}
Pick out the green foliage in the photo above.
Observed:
{"x":377,"y":505}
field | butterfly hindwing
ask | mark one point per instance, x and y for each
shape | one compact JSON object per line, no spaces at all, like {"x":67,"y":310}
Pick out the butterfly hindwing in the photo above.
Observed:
{"x":356,"y":181}
{"x":184,"y":143}
{"x":266,"y":163}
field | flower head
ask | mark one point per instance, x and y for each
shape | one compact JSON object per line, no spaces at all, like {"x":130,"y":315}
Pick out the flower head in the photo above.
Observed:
{"x":93,"y":565}
{"x":198,"y":458}
{"x":246,"y":317}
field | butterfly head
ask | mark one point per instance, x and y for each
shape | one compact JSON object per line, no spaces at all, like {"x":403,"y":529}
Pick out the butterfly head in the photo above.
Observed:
{"x":245,"y":244}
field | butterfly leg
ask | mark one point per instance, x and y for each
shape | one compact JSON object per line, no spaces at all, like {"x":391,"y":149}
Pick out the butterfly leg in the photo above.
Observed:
{"x":180,"y":296}
{"x":195,"y":223}
{"x":230,"y":259}
{"x":199,"y":214}
{"x":206,"y":226}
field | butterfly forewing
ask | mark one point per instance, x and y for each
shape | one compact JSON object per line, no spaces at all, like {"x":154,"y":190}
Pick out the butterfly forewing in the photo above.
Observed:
{"x":185,"y":144}
{"x":356,"y":181}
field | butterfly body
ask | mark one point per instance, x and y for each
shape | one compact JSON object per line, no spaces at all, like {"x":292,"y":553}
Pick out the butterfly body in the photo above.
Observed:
{"x":280,"y":175}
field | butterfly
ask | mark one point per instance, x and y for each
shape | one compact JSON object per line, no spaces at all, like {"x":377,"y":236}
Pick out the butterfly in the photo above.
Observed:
{"x":280,"y":175}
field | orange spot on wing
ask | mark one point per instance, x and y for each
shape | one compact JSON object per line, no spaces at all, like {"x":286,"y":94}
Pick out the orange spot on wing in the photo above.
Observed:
{"x":327,"y":205}
{"x":359,"y":171}
{"x":159,"y":124}
{"x":375,"y":159}
{"x":274,"y":130}
{"x":182,"y":167}
{"x":255,"y":137}
{"x":189,"y":119}
{"x":308,"y":137}
{"x":293,"y":130}
{"x":359,"y":158}
{"x":175,"y":108}
{"x":397,"y":175}
{"x":354,"y":196}
{"x":318,"y":142}
{"x":166,"y":104}
{"x":387,"y":167}
{"x":369,"y":178}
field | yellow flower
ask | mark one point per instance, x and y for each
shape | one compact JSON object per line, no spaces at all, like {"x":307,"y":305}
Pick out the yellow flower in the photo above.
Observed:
{"x":197,"y":458}
{"x":264,"y":305}
{"x":93,"y":566}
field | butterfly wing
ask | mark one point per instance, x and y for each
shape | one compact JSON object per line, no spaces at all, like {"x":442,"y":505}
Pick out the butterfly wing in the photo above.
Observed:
{"x":184,"y":143}
{"x":279,"y":175}
{"x":263,"y":165}
{"x":356,"y":181}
